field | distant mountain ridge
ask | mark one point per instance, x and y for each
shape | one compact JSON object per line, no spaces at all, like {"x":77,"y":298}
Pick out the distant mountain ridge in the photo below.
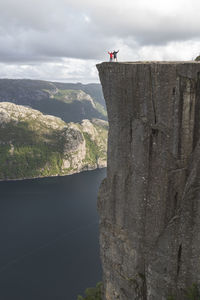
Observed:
{"x":36,"y":145}
{"x":72,"y":102}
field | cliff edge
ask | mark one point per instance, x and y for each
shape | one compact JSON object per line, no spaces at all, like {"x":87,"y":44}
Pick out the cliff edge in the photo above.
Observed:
{"x":149,"y":204}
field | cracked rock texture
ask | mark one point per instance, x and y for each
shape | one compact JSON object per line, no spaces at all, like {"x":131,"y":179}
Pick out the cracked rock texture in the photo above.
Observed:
{"x":149,"y":204}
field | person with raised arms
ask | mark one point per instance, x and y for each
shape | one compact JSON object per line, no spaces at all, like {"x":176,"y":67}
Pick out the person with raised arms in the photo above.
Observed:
{"x":111,"y":55}
{"x":115,"y":55}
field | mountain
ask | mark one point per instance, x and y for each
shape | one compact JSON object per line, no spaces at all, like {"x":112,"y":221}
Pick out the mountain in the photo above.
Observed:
{"x":36,"y":145}
{"x":68,"y":101}
{"x":149,"y":203}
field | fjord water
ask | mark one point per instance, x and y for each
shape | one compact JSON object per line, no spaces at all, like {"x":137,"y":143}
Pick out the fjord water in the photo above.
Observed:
{"x":49,"y":245}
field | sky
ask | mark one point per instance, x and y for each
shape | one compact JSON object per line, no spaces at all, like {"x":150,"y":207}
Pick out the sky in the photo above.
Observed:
{"x":63,"y":40}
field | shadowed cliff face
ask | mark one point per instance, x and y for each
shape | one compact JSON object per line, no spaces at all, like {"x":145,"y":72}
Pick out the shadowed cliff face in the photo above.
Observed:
{"x":149,"y":204}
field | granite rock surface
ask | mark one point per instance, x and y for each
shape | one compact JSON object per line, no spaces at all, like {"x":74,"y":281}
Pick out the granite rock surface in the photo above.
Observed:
{"x":149,"y":204}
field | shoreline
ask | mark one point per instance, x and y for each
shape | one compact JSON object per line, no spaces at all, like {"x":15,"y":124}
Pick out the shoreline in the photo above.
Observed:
{"x":51,"y":176}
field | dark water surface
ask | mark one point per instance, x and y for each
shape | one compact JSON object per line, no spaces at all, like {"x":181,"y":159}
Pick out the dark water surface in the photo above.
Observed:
{"x":49,"y":237}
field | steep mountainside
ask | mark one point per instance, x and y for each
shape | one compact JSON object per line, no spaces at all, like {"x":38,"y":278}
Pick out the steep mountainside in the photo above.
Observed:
{"x":36,"y":145}
{"x":149,"y":203}
{"x":71,"y":102}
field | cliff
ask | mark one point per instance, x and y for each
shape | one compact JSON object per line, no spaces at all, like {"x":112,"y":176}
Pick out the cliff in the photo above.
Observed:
{"x":37,"y":145}
{"x":149,"y":204}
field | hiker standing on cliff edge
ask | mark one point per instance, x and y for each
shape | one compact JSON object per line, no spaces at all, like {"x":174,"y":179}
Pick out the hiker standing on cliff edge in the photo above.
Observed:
{"x":115,"y":55}
{"x":111,"y":55}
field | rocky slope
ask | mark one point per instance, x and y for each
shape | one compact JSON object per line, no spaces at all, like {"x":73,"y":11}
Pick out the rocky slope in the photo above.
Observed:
{"x":149,"y":203}
{"x":71,"y":102}
{"x":36,"y":145}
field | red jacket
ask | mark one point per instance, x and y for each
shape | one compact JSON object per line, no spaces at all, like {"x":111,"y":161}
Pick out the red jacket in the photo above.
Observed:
{"x":111,"y":54}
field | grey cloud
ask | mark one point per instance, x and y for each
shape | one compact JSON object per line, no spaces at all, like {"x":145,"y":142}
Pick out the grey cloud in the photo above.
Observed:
{"x":39,"y":31}
{"x":61,"y":33}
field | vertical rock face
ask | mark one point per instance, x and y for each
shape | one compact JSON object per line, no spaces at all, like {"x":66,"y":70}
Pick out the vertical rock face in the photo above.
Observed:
{"x":149,"y":204}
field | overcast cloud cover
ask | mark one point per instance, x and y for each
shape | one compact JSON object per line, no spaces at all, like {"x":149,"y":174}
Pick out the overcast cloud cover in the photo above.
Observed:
{"x":62,"y":40}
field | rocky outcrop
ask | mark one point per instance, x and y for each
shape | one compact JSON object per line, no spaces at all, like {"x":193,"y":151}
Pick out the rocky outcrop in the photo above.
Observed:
{"x":149,"y":204}
{"x":37,"y":145}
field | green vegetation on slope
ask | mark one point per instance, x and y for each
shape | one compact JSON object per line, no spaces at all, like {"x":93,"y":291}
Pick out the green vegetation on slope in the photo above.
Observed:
{"x":93,"y":150}
{"x":191,"y":293}
{"x":70,"y":96}
{"x":197,"y":58}
{"x":93,"y":293}
{"x":35,"y":145}
{"x":96,"y":149}
{"x":67,"y":96}
{"x":24,"y":153}
{"x":71,"y":102}
{"x":100,"y":109}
